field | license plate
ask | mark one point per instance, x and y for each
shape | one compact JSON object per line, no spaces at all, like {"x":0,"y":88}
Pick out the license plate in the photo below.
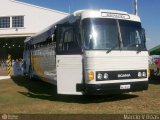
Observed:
{"x":122,"y":87}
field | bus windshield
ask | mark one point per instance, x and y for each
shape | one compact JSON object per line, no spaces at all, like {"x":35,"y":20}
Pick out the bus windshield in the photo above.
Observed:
{"x":106,"y":34}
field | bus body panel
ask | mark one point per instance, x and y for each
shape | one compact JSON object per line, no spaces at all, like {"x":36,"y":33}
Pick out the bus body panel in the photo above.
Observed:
{"x":115,"y":61}
{"x":69,"y":73}
{"x":126,"y":72}
{"x":109,"y":14}
{"x":43,"y":64}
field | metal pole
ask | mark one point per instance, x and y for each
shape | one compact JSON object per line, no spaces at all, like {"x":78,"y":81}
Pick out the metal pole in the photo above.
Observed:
{"x":9,"y":65}
{"x":69,"y":7}
{"x":136,"y":7}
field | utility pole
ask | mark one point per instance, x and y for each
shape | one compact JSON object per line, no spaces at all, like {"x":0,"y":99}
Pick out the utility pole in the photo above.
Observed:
{"x":136,"y":7}
{"x":69,"y":7}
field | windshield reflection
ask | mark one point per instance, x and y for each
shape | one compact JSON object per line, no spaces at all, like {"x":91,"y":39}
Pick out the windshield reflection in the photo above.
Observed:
{"x":103,"y":34}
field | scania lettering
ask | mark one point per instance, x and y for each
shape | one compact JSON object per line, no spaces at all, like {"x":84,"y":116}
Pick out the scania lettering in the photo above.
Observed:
{"x":124,"y":75}
{"x":90,"y":52}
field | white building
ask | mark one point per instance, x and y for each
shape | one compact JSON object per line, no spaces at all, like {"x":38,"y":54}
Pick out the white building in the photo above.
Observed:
{"x":19,"y":20}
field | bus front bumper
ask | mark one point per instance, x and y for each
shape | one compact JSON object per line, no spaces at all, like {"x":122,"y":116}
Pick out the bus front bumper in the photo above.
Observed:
{"x":111,"y":88}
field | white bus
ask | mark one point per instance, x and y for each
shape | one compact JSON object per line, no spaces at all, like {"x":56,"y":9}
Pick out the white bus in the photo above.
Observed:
{"x":90,"y":52}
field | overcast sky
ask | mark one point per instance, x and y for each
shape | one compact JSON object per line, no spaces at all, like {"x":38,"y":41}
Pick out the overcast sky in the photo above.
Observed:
{"x":148,"y":11}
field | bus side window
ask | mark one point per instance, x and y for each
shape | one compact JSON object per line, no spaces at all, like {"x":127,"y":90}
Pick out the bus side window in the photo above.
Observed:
{"x":67,"y":40}
{"x":70,"y":42}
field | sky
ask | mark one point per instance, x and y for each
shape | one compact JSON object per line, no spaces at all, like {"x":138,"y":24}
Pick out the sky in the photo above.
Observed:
{"x":148,"y":10}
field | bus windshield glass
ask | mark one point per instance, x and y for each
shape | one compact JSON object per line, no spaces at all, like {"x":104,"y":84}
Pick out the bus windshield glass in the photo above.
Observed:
{"x":106,"y":34}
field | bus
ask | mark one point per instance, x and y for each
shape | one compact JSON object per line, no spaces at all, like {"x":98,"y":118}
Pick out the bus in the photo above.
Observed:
{"x":90,"y":52}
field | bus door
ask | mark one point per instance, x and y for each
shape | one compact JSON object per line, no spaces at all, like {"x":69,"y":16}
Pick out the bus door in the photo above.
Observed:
{"x":68,"y":60}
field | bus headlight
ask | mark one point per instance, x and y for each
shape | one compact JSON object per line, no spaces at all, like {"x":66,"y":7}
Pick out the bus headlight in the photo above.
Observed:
{"x":99,"y":76}
{"x":91,"y":75}
{"x":139,"y":74}
{"x":105,"y":76}
{"x":102,"y":76}
{"x":144,"y":74}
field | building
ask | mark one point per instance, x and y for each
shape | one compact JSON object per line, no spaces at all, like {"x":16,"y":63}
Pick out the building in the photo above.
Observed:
{"x":19,"y":20}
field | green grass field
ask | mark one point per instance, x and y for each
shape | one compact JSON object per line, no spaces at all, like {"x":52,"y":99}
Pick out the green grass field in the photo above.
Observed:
{"x":20,"y":95}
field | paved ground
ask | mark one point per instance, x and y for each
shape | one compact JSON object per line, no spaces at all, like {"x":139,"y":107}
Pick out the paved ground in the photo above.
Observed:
{"x":4,"y":77}
{"x":3,"y":72}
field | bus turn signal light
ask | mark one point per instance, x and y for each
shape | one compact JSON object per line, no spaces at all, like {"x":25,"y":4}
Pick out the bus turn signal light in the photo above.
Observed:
{"x":91,"y":75}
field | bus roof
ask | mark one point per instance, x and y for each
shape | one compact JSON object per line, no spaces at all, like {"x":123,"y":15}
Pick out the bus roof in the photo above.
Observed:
{"x":88,"y":13}
{"x":104,"y":13}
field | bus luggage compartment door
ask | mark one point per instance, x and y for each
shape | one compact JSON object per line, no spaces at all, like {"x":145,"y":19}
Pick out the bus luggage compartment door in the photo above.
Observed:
{"x":69,"y":73}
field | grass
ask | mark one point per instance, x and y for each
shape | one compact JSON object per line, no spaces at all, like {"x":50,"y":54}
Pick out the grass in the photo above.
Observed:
{"x":22,"y":96}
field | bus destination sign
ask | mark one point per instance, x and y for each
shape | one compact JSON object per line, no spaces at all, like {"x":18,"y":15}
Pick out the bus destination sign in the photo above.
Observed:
{"x":115,"y":15}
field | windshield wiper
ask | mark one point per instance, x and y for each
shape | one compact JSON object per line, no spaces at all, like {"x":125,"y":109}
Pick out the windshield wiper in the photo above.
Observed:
{"x":111,"y":49}
{"x":137,"y":45}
